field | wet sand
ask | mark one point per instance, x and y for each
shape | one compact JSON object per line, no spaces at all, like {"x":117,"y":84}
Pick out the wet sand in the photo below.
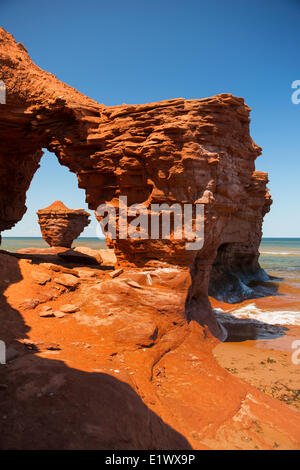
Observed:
{"x":261,"y":353}
{"x":260,"y":346}
{"x":265,"y":364}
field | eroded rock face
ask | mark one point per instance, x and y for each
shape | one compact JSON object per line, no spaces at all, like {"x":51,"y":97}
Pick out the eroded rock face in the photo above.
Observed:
{"x":175,"y":152}
{"x":60,"y":226}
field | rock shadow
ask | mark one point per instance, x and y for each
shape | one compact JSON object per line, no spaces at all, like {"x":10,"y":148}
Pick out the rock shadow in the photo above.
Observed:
{"x":76,"y":261}
{"x":45,"y":404}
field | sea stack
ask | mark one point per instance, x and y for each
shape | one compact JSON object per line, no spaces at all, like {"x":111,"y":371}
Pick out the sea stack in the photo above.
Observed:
{"x":60,"y":226}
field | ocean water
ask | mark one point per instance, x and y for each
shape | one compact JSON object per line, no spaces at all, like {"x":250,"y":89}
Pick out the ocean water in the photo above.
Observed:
{"x":280,"y":257}
{"x":17,"y":243}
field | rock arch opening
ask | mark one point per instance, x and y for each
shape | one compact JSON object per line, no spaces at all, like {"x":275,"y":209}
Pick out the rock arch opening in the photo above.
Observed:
{"x":51,"y":182}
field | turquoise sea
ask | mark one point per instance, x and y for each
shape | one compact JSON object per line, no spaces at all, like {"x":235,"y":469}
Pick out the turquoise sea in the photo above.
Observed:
{"x":281,"y":257}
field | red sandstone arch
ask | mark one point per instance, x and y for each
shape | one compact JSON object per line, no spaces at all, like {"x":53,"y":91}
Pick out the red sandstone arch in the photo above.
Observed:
{"x":175,"y":151}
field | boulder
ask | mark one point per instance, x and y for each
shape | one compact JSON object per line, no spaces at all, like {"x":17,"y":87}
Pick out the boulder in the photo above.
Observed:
{"x":67,"y":280}
{"x":40,"y":277}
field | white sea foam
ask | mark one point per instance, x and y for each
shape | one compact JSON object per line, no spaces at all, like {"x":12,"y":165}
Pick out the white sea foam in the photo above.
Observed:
{"x":275,"y":317}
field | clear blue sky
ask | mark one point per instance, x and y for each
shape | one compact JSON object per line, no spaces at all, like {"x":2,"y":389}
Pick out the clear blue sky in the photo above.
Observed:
{"x":139,"y":51}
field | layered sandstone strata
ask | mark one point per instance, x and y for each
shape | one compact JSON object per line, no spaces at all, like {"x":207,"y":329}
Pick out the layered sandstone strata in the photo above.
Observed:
{"x":175,"y":151}
{"x":60,"y":226}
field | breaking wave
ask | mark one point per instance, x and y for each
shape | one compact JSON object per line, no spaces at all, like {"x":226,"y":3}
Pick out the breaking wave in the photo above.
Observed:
{"x":251,"y":312}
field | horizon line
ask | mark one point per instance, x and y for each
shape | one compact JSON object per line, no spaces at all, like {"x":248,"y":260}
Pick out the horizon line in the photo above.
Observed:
{"x":103,"y":238}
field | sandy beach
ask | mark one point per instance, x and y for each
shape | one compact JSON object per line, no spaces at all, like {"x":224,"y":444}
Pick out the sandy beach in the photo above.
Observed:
{"x":261,"y":349}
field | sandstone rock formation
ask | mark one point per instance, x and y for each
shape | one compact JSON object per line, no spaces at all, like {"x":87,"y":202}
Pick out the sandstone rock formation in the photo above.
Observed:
{"x":175,"y":151}
{"x":60,"y":226}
